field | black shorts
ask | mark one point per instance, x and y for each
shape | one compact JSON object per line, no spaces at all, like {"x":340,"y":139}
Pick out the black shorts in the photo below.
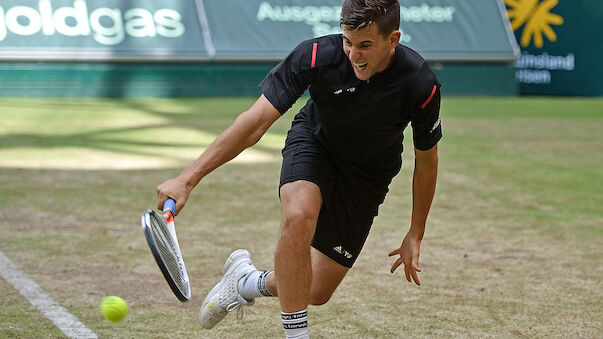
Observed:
{"x":351,"y":192}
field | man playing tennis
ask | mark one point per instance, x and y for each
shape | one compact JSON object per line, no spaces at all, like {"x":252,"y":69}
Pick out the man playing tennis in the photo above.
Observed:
{"x":341,"y":153}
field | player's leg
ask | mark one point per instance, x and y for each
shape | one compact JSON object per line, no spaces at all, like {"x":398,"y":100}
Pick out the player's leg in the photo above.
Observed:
{"x":303,"y":159}
{"x":326,"y":277}
{"x":306,"y":179}
{"x":301,"y":202}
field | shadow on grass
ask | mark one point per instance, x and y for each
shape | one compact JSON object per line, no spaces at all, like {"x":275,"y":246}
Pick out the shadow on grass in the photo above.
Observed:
{"x":206,"y":115}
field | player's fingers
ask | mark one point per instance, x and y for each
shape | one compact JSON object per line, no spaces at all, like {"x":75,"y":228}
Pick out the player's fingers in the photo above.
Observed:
{"x":416,"y":279}
{"x":406,"y":271}
{"x":412,"y":271}
{"x":394,"y":252}
{"x":160,"y":197}
{"x":396,"y":264}
{"x":415,"y":264}
{"x":161,"y":201}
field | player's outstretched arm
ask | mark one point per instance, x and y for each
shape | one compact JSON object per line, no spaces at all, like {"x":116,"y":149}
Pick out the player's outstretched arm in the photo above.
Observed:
{"x":244,"y":132}
{"x":423,"y":188}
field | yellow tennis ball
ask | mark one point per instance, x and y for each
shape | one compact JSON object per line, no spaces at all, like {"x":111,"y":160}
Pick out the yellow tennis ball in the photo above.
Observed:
{"x":114,"y":308}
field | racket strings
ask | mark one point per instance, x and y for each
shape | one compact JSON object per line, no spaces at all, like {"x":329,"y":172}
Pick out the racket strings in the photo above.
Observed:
{"x":167,"y":251}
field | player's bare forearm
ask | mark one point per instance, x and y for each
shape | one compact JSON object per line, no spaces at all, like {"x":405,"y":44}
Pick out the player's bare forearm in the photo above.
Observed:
{"x":423,"y":188}
{"x":424,"y":182}
{"x":244,"y":132}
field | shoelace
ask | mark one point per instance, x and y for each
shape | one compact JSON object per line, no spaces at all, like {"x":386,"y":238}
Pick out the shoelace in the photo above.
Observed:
{"x":239,"y":305}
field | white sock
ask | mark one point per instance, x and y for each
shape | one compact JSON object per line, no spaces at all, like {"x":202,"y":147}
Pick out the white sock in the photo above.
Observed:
{"x":253,"y":285}
{"x":296,"y":324}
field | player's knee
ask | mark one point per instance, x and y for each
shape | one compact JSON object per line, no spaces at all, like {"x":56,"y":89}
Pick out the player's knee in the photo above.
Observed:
{"x":298,"y":219}
{"x":297,"y":230}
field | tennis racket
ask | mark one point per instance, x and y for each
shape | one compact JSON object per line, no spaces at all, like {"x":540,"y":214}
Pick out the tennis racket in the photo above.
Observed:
{"x":160,"y":232}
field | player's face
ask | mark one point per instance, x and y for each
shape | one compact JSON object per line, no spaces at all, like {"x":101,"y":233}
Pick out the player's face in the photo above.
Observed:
{"x":368,"y":50}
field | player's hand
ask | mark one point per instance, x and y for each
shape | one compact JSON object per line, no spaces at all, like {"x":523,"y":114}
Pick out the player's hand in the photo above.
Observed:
{"x":409,"y":256}
{"x":175,"y":189}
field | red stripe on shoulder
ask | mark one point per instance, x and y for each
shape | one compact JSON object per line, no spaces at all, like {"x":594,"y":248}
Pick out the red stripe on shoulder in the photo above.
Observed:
{"x":430,"y":97}
{"x":314,"y":50}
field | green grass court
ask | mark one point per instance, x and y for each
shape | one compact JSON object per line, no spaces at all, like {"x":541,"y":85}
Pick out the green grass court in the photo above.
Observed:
{"x":513,"y":247}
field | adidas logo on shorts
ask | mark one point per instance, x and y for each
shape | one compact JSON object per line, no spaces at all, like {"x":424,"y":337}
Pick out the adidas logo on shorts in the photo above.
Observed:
{"x":342,"y":251}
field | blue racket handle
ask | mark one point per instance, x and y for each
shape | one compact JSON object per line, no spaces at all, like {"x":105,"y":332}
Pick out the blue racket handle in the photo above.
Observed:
{"x":169,"y":206}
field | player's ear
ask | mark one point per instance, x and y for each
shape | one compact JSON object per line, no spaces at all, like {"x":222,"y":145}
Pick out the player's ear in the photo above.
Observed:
{"x":394,"y":38}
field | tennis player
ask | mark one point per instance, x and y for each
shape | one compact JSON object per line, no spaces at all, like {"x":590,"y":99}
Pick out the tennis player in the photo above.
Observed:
{"x":341,"y":153}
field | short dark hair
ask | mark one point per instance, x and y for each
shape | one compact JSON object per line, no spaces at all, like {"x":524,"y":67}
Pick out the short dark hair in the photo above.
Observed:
{"x":357,"y":14}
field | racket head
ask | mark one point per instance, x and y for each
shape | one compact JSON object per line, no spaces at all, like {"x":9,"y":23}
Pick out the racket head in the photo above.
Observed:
{"x":166,"y":252}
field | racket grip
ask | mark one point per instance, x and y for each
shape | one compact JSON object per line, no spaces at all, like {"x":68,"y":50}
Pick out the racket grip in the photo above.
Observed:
{"x":169,"y":206}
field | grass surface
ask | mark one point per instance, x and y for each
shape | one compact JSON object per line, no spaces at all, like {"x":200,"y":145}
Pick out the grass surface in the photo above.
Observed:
{"x":512,"y":248}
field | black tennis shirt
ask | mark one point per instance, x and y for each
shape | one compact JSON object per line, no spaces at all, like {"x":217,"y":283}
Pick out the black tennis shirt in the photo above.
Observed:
{"x":358,"y":121}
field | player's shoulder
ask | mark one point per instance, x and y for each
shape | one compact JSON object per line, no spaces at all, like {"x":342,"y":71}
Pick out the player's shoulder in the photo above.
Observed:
{"x":321,"y":51}
{"x":417,"y":70}
{"x":331,"y":43}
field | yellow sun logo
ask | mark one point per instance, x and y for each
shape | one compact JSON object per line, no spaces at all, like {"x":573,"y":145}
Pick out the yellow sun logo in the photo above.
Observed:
{"x":538,"y":18}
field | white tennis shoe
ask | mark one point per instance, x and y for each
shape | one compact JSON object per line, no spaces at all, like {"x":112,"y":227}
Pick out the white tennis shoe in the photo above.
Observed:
{"x":225,"y":297}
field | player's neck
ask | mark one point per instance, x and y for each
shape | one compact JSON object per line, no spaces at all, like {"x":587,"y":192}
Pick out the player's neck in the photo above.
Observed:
{"x":388,"y":64}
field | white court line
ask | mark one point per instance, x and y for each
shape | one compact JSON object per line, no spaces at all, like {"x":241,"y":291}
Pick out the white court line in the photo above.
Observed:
{"x":65,"y":321}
